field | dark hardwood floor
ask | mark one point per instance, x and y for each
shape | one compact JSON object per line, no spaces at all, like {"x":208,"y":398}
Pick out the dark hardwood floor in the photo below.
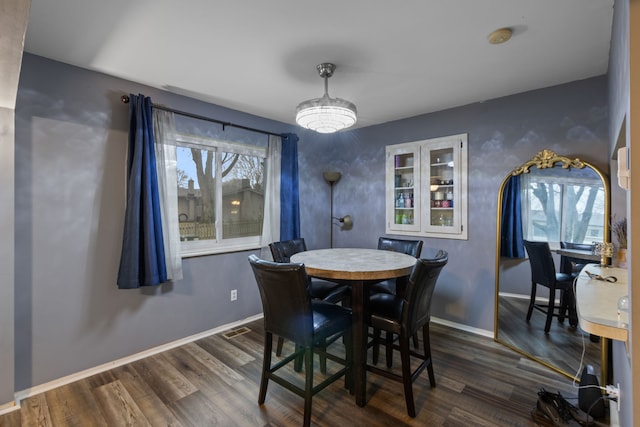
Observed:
{"x":214,"y":381}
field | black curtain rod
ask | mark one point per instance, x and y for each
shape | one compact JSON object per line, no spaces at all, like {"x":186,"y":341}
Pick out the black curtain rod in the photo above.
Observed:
{"x":125,"y":99}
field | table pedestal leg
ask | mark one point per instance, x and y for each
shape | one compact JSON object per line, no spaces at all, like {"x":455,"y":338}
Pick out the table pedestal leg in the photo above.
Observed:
{"x":359,"y":299}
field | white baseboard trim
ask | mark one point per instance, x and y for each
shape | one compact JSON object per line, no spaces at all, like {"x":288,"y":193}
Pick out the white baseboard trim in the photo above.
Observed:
{"x":541,"y":300}
{"x":24,"y":394}
{"x":5,"y":408}
{"x":466,"y":328}
{"x":510,"y":295}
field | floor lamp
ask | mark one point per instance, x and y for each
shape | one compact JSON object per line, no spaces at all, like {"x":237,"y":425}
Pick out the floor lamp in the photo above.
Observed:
{"x":332,"y":178}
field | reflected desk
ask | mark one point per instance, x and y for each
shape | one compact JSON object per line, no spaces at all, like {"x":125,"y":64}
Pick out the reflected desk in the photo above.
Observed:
{"x":357,"y":268}
{"x":578,"y":255}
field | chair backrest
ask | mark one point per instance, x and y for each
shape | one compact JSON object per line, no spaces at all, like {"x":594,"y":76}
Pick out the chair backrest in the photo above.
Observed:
{"x":569,"y":265}
{"x":282,"y":251}
{"x":422,"y":282}
{"x":286,"y":304}
{"x":543,"y":269}
{"x":409,"y":247}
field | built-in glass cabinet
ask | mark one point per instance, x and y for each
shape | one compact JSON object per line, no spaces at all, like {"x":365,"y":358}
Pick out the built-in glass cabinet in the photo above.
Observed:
{"x":426,"y":188}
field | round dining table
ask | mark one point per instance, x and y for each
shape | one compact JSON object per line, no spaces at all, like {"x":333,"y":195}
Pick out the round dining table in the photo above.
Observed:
{"x":358,"y":268}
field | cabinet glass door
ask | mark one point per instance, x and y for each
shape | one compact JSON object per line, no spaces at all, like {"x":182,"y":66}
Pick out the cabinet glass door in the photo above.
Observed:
{"x":442,"y":187}
{"x":403,"y":213}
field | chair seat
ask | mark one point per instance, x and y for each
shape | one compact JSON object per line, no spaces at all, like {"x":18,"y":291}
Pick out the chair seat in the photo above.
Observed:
{"x":329,"y":319}
{"x":564,"y":279}
{"x":386,"y":287}
{"x":386,"y":312}
{"x":328,"y":291}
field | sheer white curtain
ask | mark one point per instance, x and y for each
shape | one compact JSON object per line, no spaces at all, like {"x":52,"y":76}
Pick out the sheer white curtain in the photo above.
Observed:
{"x":166,"y":164}
{"x":271,"y":222}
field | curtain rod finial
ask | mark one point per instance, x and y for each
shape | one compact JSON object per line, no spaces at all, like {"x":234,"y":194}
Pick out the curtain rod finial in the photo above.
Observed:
{"x":125,"y":99}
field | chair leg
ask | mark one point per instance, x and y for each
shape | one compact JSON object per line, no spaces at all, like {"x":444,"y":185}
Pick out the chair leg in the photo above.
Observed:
{"x":323,"y":359}
{"x":406,"y":375}
{"x":532,"y":301}
{"x":308,"y":385}
{"x":266,"y":366}
{"x":563,"y":306}
{"x":297,"y":363}
{"x":376,"y":346}
{"x":550,"y":309}
{"x":279,"y":346}
{"x":416,"y":345}
{"x":427,"y":354}
{"x":389,"y":348}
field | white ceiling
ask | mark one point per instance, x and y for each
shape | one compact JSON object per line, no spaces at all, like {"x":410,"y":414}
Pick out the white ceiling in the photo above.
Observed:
{"x":395,"y":59}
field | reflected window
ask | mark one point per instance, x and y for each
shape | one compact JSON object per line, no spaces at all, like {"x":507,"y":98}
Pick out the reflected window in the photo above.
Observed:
{"x":565,"y":209}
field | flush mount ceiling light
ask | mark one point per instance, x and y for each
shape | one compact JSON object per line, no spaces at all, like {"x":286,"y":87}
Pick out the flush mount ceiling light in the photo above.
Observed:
{"x":326,"y":114}
{"x":501,"y":35}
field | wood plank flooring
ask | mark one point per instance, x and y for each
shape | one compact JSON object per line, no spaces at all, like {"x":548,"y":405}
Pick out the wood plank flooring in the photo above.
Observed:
{"x":214,"y":382}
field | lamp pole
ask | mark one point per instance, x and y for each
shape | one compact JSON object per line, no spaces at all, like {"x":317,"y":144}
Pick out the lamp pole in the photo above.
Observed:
{"x":331,"y":178}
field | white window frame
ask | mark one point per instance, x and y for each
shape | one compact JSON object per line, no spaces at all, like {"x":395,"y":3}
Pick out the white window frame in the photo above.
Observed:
{"x":218,"y":245}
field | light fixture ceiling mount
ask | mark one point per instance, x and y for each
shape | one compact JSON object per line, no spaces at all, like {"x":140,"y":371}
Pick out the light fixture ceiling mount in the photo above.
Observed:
{"x":326,"y":114}
{"x":501,"y":35}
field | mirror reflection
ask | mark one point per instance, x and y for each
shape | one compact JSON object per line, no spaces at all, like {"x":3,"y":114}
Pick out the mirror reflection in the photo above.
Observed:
{"x":565,"y":203}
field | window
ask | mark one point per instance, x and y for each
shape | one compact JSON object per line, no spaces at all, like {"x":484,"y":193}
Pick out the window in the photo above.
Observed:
{"x":220,"y":195}
{"x":556,"y":209}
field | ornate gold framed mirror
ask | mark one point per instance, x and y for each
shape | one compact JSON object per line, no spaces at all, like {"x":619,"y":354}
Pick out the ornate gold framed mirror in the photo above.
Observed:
{"x":558,"y":199}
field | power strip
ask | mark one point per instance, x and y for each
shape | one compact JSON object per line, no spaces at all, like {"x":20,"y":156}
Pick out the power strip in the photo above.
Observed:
{"x":614,"y":394}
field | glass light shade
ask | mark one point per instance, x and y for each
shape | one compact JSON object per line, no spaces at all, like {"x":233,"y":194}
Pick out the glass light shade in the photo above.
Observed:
{"x":326,"y":115}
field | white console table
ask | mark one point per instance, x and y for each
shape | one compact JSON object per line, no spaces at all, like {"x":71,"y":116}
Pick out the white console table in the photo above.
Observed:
{"x":597,"y":302}
{"x":597,"y":307}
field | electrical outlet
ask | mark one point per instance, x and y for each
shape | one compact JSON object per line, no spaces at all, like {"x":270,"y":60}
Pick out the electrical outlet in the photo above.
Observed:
{"x":234,"y":294}
{"x":614,"y":392}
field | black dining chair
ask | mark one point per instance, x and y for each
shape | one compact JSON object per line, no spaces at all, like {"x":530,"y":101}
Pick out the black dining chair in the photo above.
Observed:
{"x":319,"y":289}
{"x":409,"y":247}
{"x":543,"y":273}
{"x":404,"y":317}
{"x":290,"y":312}
{"x":396,"y":286}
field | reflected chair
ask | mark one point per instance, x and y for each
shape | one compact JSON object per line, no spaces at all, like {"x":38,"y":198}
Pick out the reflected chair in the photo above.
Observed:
{"x":290,"y":312}
{"x":543,"y":273}
{"x":318,"y":289}
{"x":404,"y":317}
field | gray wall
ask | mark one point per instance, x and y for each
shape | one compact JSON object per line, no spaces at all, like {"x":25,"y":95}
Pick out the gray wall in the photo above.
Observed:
{"x":619,"y":108}
{"x":70,"y":160}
